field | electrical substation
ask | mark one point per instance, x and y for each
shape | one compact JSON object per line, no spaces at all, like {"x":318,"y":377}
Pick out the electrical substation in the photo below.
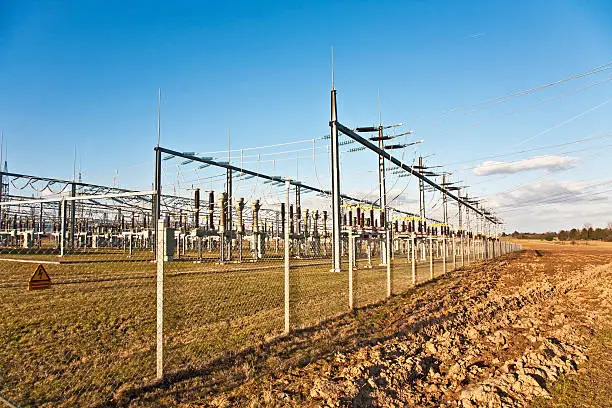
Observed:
{"x":228,"y":248}
{"x":215,"y":225}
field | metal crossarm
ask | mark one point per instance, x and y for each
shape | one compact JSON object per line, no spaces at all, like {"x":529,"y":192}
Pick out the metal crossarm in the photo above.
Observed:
{"x":366,"y":143}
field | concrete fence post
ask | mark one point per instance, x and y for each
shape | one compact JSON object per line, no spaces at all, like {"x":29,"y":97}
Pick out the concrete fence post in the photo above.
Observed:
{"x":461,"y":245}
{"x":444,"y":255}
{"x":431,"y":271}
{"x":388,"y":259}
{"x":469,"y":249}
{"x":160,"y":236}
{"x":351,"y":260}
{"x":413,"y":260}
{"x":454,"y":254}
{"x":286,"y":256}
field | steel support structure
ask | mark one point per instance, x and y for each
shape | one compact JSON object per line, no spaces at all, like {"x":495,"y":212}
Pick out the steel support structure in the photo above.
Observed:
{"x":335,"y":186}
{"x":72,"y":216}
{"x":364,"y":142}
{"x":382,"y":196}
{"x":276,"y":179}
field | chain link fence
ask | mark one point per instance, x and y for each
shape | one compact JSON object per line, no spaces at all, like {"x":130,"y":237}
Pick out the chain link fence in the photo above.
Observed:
{"x":92,"y":332}
{"x":133,"y":300}
{"x":225,"y":291}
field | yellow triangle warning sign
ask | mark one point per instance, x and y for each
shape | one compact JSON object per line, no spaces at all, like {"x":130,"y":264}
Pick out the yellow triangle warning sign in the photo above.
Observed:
{"x":40,"y":279}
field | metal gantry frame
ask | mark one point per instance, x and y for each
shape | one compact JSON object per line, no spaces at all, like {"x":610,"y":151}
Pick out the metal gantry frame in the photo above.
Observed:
{"x":80,"y":188}
{"x":350,"y":133}
{"x":336,"y":128}
{"x":277,"y":179}
{"x":336,"y":200}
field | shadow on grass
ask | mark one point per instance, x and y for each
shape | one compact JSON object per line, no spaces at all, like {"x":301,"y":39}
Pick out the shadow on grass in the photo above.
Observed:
{"x":346,"y":332}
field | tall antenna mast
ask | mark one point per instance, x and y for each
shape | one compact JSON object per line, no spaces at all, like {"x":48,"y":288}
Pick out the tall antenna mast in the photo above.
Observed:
{"x":158,"y":116}
{"x":74,"y":164}
{"x":229,"y":131}
{"x":332,"y":52}
{"x":379,"y":113}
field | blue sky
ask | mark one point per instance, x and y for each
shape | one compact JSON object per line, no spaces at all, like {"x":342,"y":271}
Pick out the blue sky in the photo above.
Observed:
{"x":87,"y":74}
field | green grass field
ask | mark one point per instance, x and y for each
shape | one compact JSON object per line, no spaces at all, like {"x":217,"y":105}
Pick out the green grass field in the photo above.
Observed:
{"x":93,"y":332}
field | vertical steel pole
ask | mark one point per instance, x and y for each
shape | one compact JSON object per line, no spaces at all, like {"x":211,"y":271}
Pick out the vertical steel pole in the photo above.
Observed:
{"x":240,"y":227}
{"x":335,"y":182}
{"x":467,"y":229}
{"x":157,"y":196}
{"x":444,"y":204}
{"x":196,"y":206}
{"x":228,"y":215}
{"x":62,"y":227}
{"x":229,"y":176}
{"x":41,"y":223}
{"x":222,"y":203}
{"x":72,"y":216}
{"x":286,"y":247}
{"x":382,"y":191}
{"x":160,"y":298}
{"x":421,"y":191}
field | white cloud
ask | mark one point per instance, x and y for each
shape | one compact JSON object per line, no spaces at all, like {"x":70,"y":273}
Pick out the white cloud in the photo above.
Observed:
{"x":548,"y":192}
{"x":551,"y":205}
{"x":549,"y":163}
{"x":563,"y":217}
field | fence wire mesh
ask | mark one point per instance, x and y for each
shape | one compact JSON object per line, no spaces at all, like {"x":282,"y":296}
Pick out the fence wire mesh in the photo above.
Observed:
{"x":236,"y":272}
{"x":225,"y":292}
{"x":92,"y":332}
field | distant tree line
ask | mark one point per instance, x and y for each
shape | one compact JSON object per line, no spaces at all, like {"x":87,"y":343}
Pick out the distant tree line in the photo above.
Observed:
{"x":587,"y":233}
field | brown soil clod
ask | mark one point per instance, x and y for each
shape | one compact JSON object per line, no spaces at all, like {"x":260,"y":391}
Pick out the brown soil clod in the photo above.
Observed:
{"x":497,"y":334}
